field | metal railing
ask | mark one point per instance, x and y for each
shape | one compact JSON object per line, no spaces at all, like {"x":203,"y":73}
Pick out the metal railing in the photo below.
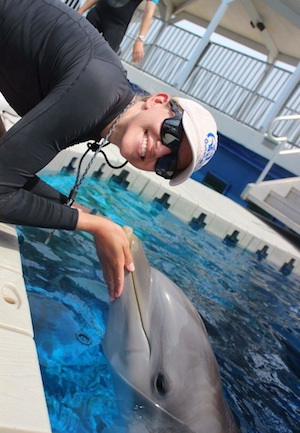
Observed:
{"x":279,"y":150}
{"x":234,"y":83}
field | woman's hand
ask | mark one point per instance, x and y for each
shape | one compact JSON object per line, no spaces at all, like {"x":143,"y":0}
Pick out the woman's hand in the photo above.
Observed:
{"x":112,"y":247}
{"x":138,"y":51}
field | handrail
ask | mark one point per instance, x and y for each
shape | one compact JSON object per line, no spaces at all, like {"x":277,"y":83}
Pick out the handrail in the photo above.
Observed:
{"x":278,"y":119}
{"x":278,"y":150}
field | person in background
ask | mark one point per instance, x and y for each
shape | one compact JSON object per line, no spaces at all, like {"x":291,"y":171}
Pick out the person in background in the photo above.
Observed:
{"x":69,"y":86}
{"x":112,"y":17}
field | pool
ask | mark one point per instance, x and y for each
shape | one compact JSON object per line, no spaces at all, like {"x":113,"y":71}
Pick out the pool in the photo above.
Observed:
{"x":251,"y":312}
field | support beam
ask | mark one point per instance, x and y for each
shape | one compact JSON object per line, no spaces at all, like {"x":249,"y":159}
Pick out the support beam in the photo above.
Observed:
{"x":165,"y":8}
{"x":202,"y":43}
{"x":258,"y":23}
{"x":184,"y":5}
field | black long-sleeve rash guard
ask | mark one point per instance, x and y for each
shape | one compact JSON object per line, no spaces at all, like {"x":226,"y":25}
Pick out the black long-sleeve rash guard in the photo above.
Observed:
{"x":62,"y":77}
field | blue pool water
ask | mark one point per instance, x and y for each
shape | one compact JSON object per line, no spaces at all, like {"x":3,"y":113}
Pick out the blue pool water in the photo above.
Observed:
{"x":251,"y":312}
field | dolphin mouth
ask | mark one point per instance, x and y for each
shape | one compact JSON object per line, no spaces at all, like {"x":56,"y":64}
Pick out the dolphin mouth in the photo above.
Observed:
{"x":128,"y":320}
{"x":141,"y":310}
{"x":141,"y":281}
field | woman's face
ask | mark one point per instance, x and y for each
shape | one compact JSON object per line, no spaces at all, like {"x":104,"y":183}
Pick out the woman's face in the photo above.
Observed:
{"x":139,"y":137}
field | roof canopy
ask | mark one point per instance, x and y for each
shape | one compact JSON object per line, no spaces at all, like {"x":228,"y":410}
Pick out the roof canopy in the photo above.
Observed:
{"x":269,"y":26}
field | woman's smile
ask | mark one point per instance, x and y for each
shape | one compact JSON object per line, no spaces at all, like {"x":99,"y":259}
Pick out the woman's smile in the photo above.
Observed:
{"x":144,"y":145}
{"x":138,"y":135}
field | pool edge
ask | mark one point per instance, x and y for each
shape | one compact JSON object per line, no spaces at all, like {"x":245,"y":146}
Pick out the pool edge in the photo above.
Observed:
{"x":22,"y":399}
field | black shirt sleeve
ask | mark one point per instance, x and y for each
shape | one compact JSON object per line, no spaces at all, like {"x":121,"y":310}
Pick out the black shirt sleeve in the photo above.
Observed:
{"x":86,"y":89}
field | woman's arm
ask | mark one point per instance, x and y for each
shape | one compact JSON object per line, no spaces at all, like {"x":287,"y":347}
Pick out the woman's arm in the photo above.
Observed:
{"x":138,"y":48}
{"x":113,"y":250}
{"x":27,"y":147}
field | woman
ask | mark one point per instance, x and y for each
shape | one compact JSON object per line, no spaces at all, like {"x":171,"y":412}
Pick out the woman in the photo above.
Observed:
{"x":112,"y":17}
{"x":68,"y":85}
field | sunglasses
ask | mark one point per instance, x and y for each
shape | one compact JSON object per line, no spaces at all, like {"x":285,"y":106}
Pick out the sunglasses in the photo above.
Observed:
{"x":171,"y":134}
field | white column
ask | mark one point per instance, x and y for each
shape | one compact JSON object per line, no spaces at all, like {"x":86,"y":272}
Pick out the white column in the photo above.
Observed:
{"x":202,"y":43}
{"x":291,"y":83}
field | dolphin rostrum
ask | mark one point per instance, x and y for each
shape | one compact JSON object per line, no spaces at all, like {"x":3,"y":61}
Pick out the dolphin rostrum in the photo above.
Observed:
{"x":165,"y":374}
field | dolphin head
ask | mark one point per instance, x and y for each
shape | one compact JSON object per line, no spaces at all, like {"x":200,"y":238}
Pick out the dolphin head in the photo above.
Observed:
{"x":162,"y":362}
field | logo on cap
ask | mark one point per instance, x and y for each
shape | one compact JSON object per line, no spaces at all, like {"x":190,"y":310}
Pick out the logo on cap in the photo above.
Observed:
{"x":210,"y":146}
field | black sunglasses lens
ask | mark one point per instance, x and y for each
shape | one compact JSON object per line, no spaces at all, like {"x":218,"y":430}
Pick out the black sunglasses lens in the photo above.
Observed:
{"x":166,"y":165}
{"x":171,"y":133}
{"x":171,"y":136}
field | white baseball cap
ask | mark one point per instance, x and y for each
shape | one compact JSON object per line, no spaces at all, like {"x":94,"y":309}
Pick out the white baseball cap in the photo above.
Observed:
{"x":201,"y":131}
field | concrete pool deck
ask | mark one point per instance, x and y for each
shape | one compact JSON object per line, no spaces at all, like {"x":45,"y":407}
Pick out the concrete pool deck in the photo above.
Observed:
{"x":22,"y":401}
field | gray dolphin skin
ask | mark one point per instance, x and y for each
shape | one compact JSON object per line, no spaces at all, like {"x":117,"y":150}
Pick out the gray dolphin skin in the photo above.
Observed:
{"x":165,"y":374}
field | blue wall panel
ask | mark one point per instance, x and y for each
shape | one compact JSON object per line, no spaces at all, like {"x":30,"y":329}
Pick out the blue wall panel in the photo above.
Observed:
{"x":236,"y":166}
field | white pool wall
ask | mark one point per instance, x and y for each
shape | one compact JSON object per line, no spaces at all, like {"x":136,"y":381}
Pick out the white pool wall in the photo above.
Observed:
{"x":222,"y":216}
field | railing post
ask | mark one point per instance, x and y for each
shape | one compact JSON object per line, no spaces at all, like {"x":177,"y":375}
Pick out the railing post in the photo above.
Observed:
{"x":246,"y":104}
{"x":267,"y":168}
{"x":153,"y":45}
{"x":291,"y":83}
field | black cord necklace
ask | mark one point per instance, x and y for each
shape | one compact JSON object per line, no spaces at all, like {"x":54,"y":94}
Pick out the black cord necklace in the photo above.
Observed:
{"x":96,"y":147}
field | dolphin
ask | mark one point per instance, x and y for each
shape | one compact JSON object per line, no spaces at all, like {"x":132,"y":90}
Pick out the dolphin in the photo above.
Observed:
{"x":165,"y":374}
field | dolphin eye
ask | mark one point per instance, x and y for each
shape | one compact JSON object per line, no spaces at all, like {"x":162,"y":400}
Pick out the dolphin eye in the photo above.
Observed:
{"x":160,"y":384}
